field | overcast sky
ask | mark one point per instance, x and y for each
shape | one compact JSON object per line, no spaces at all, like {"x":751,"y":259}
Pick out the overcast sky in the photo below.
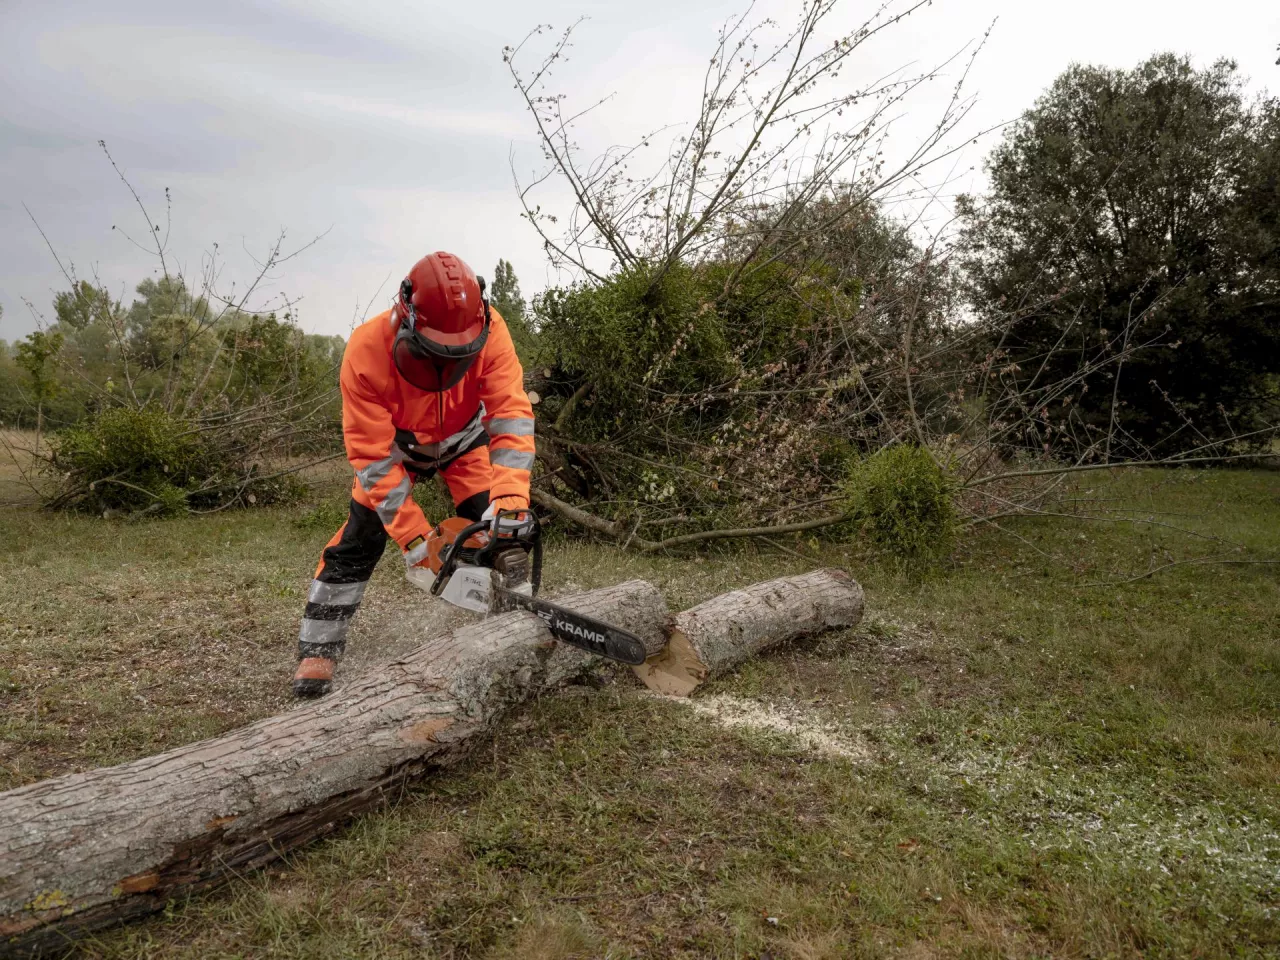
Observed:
{"x":391,"y":124}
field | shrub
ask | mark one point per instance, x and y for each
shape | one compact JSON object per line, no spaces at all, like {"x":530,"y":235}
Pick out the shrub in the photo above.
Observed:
{"x":131,"y":459}
{"x":630,"y":334}
{"x":146,"y":460}
{"x":901,"y":502}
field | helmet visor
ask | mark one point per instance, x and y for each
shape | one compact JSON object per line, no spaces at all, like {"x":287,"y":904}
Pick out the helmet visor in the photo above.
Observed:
{"x":425,"y":368}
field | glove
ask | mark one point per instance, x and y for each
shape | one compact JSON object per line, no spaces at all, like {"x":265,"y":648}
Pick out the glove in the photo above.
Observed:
{"x":505,"y":503}
{"x":509,"y":526}
{"x":420,"y":550}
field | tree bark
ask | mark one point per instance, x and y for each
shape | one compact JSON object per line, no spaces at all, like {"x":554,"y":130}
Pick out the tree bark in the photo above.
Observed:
{"x":715,"y":636}
{"x":87,"y":850}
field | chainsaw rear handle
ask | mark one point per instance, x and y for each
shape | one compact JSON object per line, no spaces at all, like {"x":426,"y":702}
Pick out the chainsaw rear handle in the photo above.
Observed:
{"x":528,"y":535}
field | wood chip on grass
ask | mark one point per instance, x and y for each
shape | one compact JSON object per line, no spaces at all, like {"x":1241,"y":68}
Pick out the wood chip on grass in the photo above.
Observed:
{"x":783,"y":718}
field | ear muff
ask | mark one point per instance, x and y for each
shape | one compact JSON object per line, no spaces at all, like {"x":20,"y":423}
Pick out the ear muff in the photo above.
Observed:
{"x":406,"y":303}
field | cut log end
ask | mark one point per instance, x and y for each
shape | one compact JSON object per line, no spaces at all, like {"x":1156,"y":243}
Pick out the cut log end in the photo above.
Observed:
{"x":714,"y":637}
{"x":674,"y":672}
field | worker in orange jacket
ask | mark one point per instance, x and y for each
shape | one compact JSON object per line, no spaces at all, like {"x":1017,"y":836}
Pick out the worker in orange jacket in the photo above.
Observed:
{"x":432,"y":385}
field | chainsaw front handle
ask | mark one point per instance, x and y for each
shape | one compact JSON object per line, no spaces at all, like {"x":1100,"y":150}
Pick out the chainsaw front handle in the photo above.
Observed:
{"x":517,"y":523}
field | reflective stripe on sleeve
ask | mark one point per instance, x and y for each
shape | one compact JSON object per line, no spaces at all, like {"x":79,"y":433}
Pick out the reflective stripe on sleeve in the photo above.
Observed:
{"x":515,"y":459}
{"x":323,"y":631}
{"x":371,"y":475}
{"x":336,"y":594}
{"x":515,"y":426}
{"x":390,"y":506}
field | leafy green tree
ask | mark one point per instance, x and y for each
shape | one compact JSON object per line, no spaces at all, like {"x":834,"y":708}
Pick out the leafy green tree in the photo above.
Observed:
{"x":1127,"y":248}
{"x":37,"y":356}
{"x":82,"y":305}
{"x":506,"y":297}
{"x":163,"y":320}
{"x":506,"y":292}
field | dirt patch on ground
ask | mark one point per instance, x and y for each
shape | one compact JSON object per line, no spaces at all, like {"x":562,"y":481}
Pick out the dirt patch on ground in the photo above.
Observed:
{"x":19,"y":479}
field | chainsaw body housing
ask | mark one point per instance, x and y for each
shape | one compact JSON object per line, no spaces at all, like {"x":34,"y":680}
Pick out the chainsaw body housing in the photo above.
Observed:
{"x":469,"y":587}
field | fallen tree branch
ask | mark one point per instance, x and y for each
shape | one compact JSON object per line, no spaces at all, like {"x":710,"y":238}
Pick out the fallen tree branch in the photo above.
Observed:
{"x":733,"y":534}
{"x":566,"y":412}
{"x":589,"y":521}
{"x":1197,"y":562}
{"x":617,"y":531}
{"x":1175,"y":461}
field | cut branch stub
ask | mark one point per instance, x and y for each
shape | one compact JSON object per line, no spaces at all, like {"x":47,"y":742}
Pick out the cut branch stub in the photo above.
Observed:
{"x":716,"y":636}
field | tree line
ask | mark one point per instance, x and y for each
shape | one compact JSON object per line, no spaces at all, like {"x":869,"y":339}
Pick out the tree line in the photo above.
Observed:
{"x":772,"y":351}
{"x":757,"y":344}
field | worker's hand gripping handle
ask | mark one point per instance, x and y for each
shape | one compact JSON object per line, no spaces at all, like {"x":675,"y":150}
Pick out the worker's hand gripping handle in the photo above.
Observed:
{"x":513,"y":524}
{"x":519,"y":528}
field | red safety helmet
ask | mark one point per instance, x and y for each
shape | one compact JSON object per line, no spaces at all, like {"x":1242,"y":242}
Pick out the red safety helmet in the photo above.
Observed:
{"x":443,"y":318}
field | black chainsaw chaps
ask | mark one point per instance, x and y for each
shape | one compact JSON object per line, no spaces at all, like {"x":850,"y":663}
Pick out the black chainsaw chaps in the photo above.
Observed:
{"x":353,"y":558}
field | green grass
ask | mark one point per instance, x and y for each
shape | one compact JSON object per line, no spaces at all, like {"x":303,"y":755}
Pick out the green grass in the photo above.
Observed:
{"x":1035,"y":768}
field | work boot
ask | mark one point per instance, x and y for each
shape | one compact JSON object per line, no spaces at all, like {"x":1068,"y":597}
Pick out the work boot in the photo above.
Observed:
{"x":313,"y":677}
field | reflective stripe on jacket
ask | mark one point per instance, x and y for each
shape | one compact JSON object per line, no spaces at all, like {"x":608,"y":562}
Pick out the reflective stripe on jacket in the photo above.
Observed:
{"x":390,"y":427}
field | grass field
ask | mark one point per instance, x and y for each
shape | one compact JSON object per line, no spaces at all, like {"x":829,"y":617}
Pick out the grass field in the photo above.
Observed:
{"x":1021,"y":756}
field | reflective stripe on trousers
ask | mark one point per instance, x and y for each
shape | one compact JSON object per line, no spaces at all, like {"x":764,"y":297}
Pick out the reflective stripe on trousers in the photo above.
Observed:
{"x":327,"y":618}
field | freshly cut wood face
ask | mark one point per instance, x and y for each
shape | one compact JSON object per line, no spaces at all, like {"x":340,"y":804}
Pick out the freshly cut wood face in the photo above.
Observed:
{"x":714,"y":637}
{"x":676,"y":671}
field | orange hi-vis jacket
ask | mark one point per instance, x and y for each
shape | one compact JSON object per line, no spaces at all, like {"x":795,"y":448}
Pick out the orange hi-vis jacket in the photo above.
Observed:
{"x":392,"y":428}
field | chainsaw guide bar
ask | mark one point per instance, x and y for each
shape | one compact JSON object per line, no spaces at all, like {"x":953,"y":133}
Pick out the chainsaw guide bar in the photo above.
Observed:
{"x":487,"y":569}
{"x":575,"y":629}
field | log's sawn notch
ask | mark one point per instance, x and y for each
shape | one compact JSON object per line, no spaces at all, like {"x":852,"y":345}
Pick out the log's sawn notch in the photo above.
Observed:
{"x":714,"y":637}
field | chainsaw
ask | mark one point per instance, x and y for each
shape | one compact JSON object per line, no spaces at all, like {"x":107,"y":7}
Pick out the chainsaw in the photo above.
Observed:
{"x":493,"y":566}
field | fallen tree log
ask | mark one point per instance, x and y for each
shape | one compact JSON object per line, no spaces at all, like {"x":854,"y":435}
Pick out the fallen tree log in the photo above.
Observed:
{"x":716,"y":636}
{"x":87,"y":850}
